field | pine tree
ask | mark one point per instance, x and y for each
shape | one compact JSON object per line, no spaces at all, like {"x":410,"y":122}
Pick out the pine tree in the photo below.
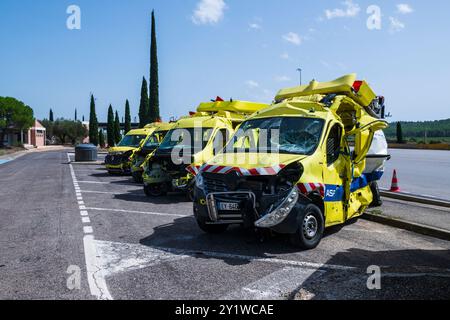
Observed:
{"x":50,"y":116}
{"x":144,"y":105}
{"x":110,"y":127}
{"x":153,"y":114}
{"x":117,"y":135}
{"x":127,"y":117}
{"x":399,"y":133}
{"x":101,"y":138}
{"x":93,"y":124}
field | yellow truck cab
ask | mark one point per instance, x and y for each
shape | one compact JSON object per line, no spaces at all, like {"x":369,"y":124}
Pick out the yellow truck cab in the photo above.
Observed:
{"x":296,"y":167}
{"x":141,"y":156}
{"x":118,"y":158}
{"x":193,"y":141}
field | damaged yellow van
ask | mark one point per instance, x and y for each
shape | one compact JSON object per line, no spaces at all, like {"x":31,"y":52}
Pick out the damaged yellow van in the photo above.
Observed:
{"x":193,"y":141}
{"x":143,"y":154}
{"x":296,"y":167}
{"x":118,"y":160}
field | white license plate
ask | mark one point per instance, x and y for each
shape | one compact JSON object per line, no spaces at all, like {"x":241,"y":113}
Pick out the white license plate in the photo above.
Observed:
{"x":230,"y":206}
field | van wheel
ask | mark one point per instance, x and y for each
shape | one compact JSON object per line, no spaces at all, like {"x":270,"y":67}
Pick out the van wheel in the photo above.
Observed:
{"x":310,"y":229}
{"x":137,"y":177}
{"x":377,"y":201}
{"x":155,"y":190}
{"x":212,"y":228}
{"x":190,"y":194}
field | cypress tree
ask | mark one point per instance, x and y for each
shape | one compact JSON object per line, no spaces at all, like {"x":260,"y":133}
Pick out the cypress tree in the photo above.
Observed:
{"x":127,"y":117}
{"x":153,"y":114}
{"x":76,"y":116}
{"x":117,"y":135}
{"x":101,"y":138}
{"x":144,"y":105}
{"x":50,"y":116}
{"x":110,"y":127}
{"x":93,"y":124}
{"x":399,"y":133}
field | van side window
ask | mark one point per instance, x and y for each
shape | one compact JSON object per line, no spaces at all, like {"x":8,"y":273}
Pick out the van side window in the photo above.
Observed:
{"x":334,"y":144}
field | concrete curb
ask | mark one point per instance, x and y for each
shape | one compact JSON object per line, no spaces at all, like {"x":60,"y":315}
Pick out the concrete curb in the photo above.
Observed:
{"x":89,"y":163}
{"x":415,"y":198}
{"x":407,"y":225}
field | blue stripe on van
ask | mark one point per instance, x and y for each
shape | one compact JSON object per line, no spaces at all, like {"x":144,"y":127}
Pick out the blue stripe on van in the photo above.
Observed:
{"x":335,"y":193}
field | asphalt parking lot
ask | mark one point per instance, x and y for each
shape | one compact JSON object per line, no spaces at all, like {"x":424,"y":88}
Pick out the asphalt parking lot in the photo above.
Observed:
{"x":55,"y":214}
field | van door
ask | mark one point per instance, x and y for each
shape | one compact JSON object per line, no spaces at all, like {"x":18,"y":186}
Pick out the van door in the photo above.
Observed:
{"x":334,"y":175}
{"x":359,"y":192}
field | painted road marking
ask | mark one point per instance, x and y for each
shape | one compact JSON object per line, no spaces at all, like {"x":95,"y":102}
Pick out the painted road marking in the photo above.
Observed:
{"x":140,"y":212}
{"x":85,"y":220}
{"x":123,"y":257}
{"x":96,"y":280}
{"x":88,"y":230}
{"x":3,"y":161}
{"x":117,"y":257}
{"x":278,"y":285}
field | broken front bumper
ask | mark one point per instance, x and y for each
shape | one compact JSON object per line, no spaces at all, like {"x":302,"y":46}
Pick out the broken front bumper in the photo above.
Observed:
{"x":207,"y":208}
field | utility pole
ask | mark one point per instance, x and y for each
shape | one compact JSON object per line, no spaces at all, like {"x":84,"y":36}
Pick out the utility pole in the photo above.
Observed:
{"x":300,"y":71}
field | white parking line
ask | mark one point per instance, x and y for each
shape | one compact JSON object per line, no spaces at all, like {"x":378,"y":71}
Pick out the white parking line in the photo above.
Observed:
{"x":96,"y":280}
{"x":85,"y":220}
{"x":140,"y":212}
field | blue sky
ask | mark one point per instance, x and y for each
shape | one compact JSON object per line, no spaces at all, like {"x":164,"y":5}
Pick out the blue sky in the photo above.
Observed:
{"x":245,"y":49}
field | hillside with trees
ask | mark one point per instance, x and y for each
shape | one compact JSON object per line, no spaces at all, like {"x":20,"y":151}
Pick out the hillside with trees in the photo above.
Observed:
{"x":432,"y":130}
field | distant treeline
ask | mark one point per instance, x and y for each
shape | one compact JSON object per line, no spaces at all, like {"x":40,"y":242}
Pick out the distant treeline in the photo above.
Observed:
{"x":433,"y":129}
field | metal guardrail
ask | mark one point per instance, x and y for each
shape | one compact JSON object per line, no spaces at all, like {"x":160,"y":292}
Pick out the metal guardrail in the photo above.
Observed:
{"x":415,"y":198}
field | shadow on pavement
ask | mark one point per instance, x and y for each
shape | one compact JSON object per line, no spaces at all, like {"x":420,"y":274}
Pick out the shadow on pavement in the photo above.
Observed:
{"x":184,"y":234}
{"x":405,"y":275}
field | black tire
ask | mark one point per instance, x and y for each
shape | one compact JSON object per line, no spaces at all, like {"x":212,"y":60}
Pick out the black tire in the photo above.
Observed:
{"x":190,"y":194}
{"x":137,"y":177}
{"x":377,"y":201}
{"x":155,"y":190}
{"x":311,"y":228}
{"x":212,"y":228}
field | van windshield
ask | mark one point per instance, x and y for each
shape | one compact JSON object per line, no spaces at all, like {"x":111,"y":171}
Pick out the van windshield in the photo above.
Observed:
{"x":155,"y":139}
{"x":285,"y":135}
{"x":194,"y":138}
{"x":131,"y":141}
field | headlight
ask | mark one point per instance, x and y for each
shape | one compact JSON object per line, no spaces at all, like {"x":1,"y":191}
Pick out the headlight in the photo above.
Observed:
{"x":279,"y":214}
{"x":199,"y":181}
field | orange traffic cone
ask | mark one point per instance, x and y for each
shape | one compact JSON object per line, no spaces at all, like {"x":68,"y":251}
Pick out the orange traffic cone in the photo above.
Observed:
{"x":394,"y":186}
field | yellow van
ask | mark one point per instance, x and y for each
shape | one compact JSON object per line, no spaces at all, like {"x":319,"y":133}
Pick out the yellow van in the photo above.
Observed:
{"x":290,"y":168}
{"x":118,"y":160}
{"x":148,"y":147}
{"x":193,"y":141}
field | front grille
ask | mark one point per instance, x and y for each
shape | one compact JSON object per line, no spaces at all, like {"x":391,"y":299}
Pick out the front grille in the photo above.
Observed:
{"x":215,"y":186}
{"x":115,"y":160}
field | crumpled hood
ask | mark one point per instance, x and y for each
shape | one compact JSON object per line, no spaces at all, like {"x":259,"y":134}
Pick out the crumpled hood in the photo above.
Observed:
{"x":120,"y":149}
{"x":251,"y":163}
